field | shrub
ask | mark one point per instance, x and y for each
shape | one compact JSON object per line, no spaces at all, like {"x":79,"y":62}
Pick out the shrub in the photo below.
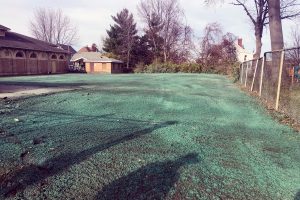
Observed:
{"x":139,"y":68}
{"x":168,"y":67}
{"x":235,"y":72}
{"x":191,"y":68}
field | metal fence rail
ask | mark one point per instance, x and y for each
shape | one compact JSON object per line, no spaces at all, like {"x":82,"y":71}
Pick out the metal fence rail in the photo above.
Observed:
{"x":276,"y":79}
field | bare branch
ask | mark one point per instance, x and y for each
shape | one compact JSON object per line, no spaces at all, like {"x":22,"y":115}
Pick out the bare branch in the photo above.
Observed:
{"x":53,"y":26}
{"x":164,"y":25}
{"x":239,"y":3}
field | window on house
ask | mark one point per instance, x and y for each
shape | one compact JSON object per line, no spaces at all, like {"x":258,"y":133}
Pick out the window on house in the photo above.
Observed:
{"x":33,"y":55}
{"x":19,"y":54}
{"x":61,"y":57}
{"x":53,"y":56}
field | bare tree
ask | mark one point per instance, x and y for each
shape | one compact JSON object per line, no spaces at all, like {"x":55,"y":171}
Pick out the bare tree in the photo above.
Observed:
{"x":212,"y":36}
{"x":173,"y":28}
{"x":294,"y":53}
{"x":151,"y":13}
{"x":164,"y":24}
{"x":295,"y":36}
{"x":229,"y":50}
{"x":258,"y":17}
{"x":184,"y":50}
{"x":267,"y":12}
{"x":53,"y":26}
{"x":217,"y":50}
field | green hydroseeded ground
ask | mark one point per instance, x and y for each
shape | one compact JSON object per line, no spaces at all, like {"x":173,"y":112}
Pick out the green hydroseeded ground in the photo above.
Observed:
{"x":158,"y":136}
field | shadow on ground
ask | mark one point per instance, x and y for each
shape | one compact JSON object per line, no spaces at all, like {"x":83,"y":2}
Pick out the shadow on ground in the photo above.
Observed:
{"x":67,"y":118}
{"x":297,"y":197}
{"x":18,"y":180}
{"x":52,"y":83}
{"x":153,"y":181}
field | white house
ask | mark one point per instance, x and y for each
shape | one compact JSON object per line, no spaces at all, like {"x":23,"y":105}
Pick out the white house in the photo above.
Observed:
{"x":241,"y":52}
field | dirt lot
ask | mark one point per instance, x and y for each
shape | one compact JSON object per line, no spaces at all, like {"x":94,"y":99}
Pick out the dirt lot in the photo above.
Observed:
{"x":16,"y":91}
{"x":158,"y":136}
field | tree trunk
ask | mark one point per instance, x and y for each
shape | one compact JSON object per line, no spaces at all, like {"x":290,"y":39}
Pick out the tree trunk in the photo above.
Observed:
{"x":277,"y":42}
{"x":155,"y":49}
{"x":275,"y":25}
{"x":128,"y":58}
{"x":127,"y":63}
{"x":165,"y":55}
{"x":258,"y":45}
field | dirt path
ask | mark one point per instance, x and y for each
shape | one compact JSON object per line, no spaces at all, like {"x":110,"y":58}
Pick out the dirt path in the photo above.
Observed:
{"x":16,"y":91}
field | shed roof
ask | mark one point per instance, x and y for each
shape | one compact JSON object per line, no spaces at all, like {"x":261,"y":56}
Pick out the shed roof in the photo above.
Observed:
{"x":93,"y":57}
{"x":19,"y":41}
{"x":4,"y":28}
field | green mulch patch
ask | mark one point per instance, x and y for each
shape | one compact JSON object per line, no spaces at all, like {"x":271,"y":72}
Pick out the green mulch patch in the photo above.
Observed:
{"x":144,"y":136}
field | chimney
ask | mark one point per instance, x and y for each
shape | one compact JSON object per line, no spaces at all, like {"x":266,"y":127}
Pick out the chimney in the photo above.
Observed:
{"x":94,"y":48}
{"x":3,"y":30}
{"x":240,"y":42}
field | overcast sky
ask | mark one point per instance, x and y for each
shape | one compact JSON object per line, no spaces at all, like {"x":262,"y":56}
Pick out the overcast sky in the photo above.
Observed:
{"x":93,"y":17}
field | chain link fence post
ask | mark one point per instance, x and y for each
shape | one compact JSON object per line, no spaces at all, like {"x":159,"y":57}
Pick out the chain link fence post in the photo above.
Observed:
{"x":262,"y":75}
{"x":246,"y":75}
{"x":254,"y":75}
{"x":242,"y":71}
{"x":279,"y":80}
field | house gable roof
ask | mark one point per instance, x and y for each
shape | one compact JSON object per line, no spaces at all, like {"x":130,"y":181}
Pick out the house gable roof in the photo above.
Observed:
{"x":19,"y":41}
{"x":93,"y":57}
{"x":3,"y":28}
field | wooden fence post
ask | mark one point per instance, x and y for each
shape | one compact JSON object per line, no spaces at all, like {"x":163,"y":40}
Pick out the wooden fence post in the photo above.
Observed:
{"x":246,"y":75}
{"x":261,"y":75}
{"x":279,"y":80}
{"x":293,"y":74}
{"x":254,"y":75}
{"x":242,"y":71}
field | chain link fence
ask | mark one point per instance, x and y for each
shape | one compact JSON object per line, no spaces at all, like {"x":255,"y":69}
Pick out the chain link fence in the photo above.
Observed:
{"x":275,"y":78}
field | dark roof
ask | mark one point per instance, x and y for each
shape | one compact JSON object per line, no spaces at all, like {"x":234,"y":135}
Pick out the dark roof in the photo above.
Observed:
{"x":18,"y":41}
{"x":4,"y":28}
{"x":68,"y":48}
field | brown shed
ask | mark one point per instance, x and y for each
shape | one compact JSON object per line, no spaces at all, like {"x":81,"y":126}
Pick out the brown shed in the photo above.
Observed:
{"x":23,"y":55}
{"x":94,"y":62}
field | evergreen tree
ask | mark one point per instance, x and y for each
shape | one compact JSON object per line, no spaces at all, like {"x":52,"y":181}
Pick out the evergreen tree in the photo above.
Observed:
{"x":142,"y":51}
{"x":122,"y":37}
